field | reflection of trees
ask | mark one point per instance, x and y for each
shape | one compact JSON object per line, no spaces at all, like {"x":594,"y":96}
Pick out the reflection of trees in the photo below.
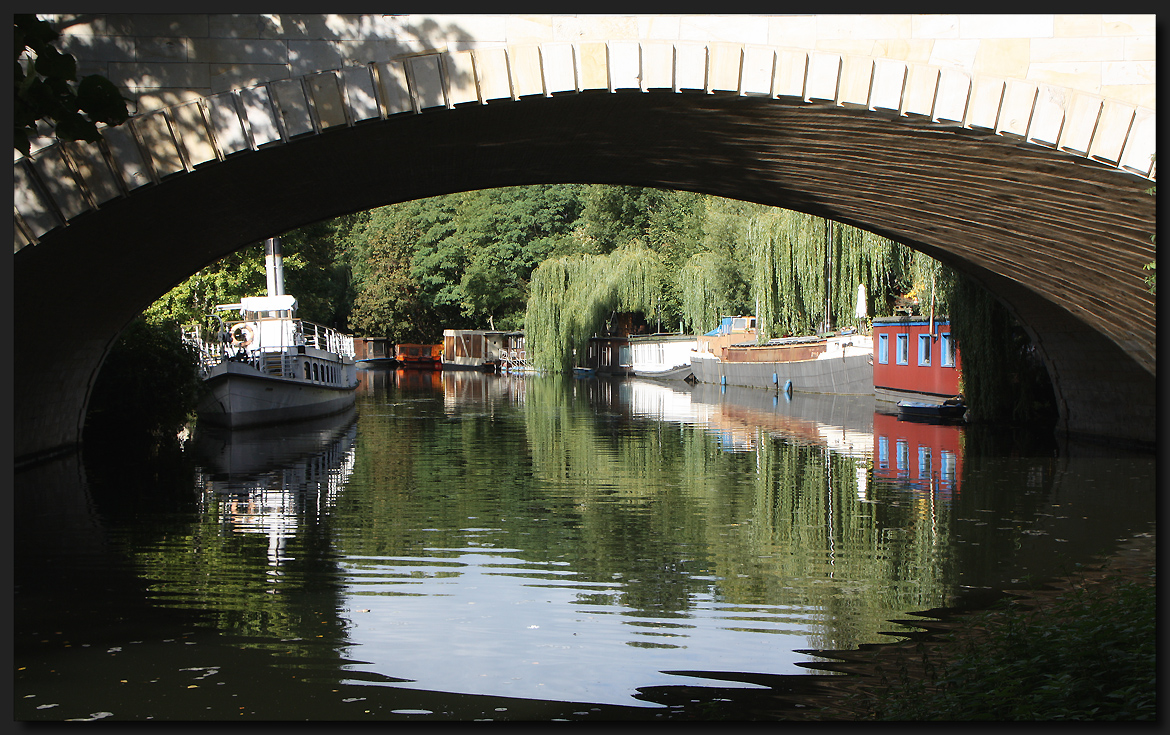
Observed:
{"x":660,"y":514}
{"x":663,"y":503}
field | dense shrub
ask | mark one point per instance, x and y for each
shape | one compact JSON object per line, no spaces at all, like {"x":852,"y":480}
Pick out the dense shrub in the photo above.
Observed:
{"x":147,"y":388}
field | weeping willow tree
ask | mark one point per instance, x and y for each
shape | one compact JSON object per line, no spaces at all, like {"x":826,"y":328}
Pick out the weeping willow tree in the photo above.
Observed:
{"x":705,"y":286}
{"x":572,"y":296}
{"x":806,"y":270}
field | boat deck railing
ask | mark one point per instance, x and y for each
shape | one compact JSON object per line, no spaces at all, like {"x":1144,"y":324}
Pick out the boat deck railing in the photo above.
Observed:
{"x":244,"y":341}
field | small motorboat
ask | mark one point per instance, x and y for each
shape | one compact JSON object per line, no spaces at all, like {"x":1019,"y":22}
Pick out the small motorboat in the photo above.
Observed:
{"x":950,"y":409}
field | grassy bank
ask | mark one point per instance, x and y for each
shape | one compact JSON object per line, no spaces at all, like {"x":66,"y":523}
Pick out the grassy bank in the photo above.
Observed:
{"x":1083,"y":649}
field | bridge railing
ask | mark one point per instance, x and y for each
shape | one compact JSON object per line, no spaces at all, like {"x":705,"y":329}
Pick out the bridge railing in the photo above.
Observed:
{"x":60,"y":181}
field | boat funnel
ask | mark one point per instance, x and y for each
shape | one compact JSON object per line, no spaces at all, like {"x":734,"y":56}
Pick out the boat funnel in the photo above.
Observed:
{"x":274,"y":266}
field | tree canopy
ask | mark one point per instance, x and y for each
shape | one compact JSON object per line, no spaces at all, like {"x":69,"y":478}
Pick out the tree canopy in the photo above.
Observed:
{"x":45,"y":91}
{"x":558,"y":261}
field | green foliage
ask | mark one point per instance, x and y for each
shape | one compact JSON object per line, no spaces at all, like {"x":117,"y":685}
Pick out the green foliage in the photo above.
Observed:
{"x":314,"y":272}
{"x":457,"y":261}
{"x":571,"y":297}
{"x":1092,"y":656}
{"x":224,"y":282}
{"x":44,"y":90}
{"x":804,"y":270}
{"x":1004,"y":378}
{"x":147,"y":388}
{"x":707,"y":285}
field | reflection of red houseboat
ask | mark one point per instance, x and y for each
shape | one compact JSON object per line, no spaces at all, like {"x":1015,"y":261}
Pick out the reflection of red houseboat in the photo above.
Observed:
{"x":926,"y":456}
{"x":914,"y":360}
{"x":429,"y":357}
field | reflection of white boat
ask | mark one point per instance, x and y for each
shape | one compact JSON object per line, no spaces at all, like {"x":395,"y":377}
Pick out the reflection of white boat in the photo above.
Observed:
{"x":240,"y":453}
{"x":270,"y":367}
{"x":268,"y":480}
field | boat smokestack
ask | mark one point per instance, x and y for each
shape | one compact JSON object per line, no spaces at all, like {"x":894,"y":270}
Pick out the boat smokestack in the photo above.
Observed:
{"x":274,"y":266}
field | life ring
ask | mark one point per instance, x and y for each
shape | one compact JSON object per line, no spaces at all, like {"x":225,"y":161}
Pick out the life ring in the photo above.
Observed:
{"x":242,"y":335}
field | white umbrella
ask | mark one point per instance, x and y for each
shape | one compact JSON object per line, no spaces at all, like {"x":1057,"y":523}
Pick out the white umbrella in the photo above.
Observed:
{"x":862,"y":310}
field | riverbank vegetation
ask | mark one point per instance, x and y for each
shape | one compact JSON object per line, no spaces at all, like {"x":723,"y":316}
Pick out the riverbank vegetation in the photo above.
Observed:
{"x":560,"y":261}
{"x":1083,"y":650}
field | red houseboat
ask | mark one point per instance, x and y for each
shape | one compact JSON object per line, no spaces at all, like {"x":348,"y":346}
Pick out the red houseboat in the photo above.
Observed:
{"x":916,"y":365}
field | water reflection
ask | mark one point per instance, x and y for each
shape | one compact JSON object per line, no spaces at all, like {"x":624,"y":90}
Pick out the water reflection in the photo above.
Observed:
{"x":611,"y":542}
{"x":271,"y":480}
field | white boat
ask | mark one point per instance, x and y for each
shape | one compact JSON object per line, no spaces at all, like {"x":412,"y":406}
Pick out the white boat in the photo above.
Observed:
{"x":269,"y":367}
{"x":663,"y":356}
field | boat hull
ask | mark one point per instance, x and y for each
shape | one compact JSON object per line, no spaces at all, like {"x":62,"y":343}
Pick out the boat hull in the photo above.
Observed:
{"x":928,"y":410}
{"x":849,"y":375}
{"x":679,"y":372}
{"x":240,"y":396}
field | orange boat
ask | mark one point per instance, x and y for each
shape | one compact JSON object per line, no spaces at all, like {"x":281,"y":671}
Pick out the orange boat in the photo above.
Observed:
{"x":427,"y":357}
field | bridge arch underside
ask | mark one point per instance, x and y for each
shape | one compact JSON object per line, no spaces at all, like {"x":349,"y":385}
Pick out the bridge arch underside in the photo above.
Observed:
{"x":1060,"y":240}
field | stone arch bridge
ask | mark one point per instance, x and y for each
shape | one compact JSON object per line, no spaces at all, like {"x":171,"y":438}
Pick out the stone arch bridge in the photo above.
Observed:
{"x":1018,"y":149}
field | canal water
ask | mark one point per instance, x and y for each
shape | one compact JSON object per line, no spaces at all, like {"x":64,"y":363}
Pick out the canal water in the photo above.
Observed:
{"x":465,"y":546}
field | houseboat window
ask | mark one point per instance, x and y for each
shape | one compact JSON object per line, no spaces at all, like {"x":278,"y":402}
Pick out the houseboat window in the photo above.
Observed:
{"x":947,"y":464}
{"x":924,"y":468}
{"x":883,"y":453}
{"x":903,"y":457}
{"x":884,"y":349}
{"x":314,"y":371}
{"x":947,"y":350}
{"x":903,"y":356}
{"x":307,"y":373}
{"x":924,"y":349}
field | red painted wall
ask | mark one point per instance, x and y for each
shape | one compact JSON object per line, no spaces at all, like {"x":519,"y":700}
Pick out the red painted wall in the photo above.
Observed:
{"x":934,"y":379}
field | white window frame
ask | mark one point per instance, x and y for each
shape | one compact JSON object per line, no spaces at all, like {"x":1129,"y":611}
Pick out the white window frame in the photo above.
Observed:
{"x":946,"y":350}
{"x":902,"y":357}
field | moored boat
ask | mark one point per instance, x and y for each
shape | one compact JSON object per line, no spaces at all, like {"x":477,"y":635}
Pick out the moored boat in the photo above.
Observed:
{"x":663,"y":356}
{"x":950,"y":409}
{"x":472,"y":349}
{"x":374,"y":352}
{"x":916,"y":361}
{"x":269,"y":367}
{"x":837,"y":363}
{"x":425,"y":357}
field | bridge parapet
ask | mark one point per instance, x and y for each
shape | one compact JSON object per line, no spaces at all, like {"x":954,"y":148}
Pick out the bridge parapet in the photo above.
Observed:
{"x":59,"y":182}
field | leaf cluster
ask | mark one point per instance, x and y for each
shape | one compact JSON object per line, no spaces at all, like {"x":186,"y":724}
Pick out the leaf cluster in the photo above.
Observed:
{"x":148,"y":361}
{"x":45,"y":89}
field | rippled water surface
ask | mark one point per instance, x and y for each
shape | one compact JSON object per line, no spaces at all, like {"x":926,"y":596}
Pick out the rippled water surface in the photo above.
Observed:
{"x":465,"y":546}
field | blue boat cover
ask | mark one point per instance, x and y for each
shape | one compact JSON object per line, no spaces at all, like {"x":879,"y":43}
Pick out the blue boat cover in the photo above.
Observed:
{"x":723,"y":328}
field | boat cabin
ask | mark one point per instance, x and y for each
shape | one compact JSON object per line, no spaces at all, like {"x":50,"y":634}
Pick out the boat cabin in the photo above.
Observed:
{"x":914,"y":358}
{"x":420,"y":356}
{"x":661,"y":353}
{"x":609,"y":355}
{"x":472,"y":349}
{"x":732,"y":330}
{"x":373,"y":349}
